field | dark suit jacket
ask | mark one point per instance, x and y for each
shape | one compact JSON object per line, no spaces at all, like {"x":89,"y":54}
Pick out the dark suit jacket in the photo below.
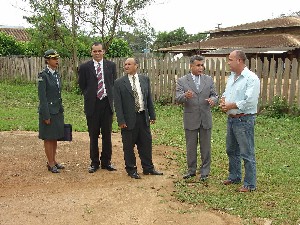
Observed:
{"x":124,"y":101}
{"x":88,"y":83}
{"x":49,"y":94}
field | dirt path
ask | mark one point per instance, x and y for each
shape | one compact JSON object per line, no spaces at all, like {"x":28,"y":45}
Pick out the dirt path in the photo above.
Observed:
{"x":31,"y":195}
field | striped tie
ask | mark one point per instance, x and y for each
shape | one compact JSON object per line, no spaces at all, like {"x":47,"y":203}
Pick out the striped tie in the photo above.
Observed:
{"x":135,"y":94}
{"x":100,"y":90}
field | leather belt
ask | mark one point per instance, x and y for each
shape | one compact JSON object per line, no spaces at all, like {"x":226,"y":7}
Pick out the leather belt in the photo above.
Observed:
{"x":238,"y":115}
{"x":140,"y":112}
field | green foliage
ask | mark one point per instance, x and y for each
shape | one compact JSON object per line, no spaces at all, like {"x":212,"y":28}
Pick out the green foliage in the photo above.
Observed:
{"x":198,"y":37}
{"x":50,"y":30}
{"x":9,"y":45}
{"x":279,"y":108}
{"x":118,"y":48}
{"x":176,"y":37}
{"x":294,"y":109}
{"x":165,"y":100}
{"x":140,"y":38}
{"x":167,"y":39}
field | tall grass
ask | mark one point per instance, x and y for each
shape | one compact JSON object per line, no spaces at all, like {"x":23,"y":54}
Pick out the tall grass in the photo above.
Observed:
{"x":277,"y":152}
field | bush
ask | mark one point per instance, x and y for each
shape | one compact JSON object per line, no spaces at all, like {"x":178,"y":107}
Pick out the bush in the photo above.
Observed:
{"x":279,"y":108}
{"x":9,"y":45}
{"x":164,"y":100}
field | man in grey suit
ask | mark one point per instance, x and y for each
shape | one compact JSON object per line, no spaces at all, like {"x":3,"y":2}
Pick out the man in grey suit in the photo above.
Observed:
{"x":135,"y":112}
{"x":196,"y":91}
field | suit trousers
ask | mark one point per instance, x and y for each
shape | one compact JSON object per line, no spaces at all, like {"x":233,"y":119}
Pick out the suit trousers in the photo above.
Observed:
{"x":204,"y":137}
{"x":140,"y":136}
{"x":100,"y":121}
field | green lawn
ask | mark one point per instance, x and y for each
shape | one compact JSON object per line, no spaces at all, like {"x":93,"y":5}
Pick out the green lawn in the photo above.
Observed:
{"x":277,"y":152}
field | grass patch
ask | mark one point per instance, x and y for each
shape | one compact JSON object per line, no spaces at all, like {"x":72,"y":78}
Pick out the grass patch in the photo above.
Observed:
{"x":277,"y":152}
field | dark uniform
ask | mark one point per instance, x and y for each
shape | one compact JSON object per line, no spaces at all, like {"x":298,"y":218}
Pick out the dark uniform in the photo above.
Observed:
{"x":50,"y":106}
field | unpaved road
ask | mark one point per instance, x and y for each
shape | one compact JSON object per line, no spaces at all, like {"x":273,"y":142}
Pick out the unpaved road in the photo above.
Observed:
{"x":32,"y":195}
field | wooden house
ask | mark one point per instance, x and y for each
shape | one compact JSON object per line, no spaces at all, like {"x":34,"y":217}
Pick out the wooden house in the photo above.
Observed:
{"x":273,"y":38}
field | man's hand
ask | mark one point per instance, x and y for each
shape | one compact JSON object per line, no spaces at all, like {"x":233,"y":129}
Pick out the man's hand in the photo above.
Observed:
{"x":48,"y":121}
{"x":188,"y":94}
{"x":123,"y":125}
{"x":210,"y":102}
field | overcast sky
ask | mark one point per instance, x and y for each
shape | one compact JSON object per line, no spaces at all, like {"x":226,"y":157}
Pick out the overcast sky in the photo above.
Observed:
{"x":194,"y":15}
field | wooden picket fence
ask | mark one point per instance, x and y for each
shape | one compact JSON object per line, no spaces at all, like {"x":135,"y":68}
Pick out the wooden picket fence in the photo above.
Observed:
{"x":278,"y":78}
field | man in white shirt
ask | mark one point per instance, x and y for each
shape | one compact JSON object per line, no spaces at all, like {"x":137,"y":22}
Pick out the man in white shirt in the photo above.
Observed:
{"x":96,"y":81}
{"x":135,"y":112}
{"x":240,"y":101}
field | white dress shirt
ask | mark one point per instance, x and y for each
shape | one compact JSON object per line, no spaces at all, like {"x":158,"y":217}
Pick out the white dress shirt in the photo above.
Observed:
{"x":138,"y":89}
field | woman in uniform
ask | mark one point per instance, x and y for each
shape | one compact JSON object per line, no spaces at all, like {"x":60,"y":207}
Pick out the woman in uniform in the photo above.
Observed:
{"x":51,"y":117}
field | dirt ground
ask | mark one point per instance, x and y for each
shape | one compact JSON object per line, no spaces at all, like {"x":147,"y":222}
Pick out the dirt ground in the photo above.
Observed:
{"x":29,"y":194}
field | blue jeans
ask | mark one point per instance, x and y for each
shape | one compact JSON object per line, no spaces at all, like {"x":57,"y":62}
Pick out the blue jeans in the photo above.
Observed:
{"x":240,"y":145}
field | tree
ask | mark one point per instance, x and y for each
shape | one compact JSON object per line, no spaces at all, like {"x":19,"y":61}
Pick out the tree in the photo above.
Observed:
{"x":107,"y":17}
{"x":62,"y":24}
{"x":50,"y":27}
{"x":9,"y":45}
{"x":198,"y":37}
{"x":141,"y":38}
{"x":118,"y":48}
{"x":176,"y":37}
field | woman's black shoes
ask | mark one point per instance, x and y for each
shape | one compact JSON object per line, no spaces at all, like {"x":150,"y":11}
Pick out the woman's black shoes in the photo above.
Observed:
{"x":55,"y":168}
{"x":52,"y":169}
{"x":59,"y":166}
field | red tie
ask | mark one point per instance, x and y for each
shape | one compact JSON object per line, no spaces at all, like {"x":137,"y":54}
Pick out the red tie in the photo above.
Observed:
{"x":100,"y":90}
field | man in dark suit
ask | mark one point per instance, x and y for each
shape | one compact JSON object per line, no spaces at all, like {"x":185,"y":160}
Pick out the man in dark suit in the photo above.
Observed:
{"x":135,"y":112}
{"x":196,"y":91}
{"x":96,"y":80}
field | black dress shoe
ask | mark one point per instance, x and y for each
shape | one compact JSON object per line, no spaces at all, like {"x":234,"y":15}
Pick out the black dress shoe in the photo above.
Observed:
{"x":59,"y":166}
{"x":93,"y":169}
{"x":52,"y":169}
{"x":134,"y":175}
{"x":152,"y":172}
{"x":203,"y":178}
{"x":189,"y":175}
{"x":108,"y":167}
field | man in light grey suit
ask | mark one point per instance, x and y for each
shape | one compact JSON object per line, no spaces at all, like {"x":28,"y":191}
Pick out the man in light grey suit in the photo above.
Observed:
{"x":196,"y":91}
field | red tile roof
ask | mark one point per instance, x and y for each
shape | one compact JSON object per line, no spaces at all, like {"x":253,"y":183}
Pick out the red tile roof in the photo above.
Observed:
{"x":248,"y":38}
{"x":257,"y":41}
{"x":20,"y":34}
{"x":270,"y":23}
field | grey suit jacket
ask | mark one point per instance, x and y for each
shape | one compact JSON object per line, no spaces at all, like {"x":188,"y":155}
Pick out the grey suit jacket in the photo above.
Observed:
{"x":124,"y":101}
{"x":197,"y":110}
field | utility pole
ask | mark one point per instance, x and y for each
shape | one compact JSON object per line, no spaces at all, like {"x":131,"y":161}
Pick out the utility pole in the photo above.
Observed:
{"x":74,"y":38}
{"x":218,"y":26}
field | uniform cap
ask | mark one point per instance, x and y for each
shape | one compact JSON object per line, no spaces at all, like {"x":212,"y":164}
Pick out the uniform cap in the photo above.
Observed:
{"x":51,"y":54}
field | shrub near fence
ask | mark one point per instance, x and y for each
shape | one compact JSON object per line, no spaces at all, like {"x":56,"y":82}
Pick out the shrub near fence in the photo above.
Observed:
{"x":278,"y":78}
